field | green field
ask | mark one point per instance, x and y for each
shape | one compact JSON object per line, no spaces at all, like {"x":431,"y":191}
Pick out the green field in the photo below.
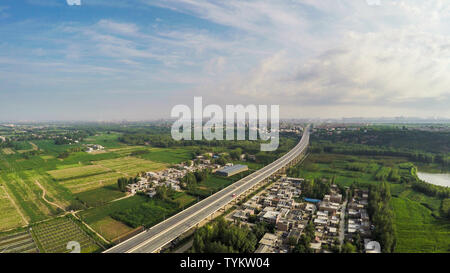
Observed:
{"x":77,"y":172}
{"x":417,"y":230}
{"x":170,"y":156}
{"x":9,"y":216}
{"x":100,"y":196}
{"x":131,"y":166}
{"x":133,"y":211}
{"x":53,"y":236}
{"x":20,"y":242}
{"x":91,"y":182}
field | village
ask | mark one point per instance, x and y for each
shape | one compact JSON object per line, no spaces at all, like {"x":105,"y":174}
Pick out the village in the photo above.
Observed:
{"x":334,"y":220}
{"x":171,"y":177}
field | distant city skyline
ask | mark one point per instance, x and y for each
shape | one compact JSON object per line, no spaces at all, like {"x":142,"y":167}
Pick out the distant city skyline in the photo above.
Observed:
{"x":101,"y":60}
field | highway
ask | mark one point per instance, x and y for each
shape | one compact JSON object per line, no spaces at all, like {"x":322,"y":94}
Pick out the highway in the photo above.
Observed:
{"x":163,"y":233}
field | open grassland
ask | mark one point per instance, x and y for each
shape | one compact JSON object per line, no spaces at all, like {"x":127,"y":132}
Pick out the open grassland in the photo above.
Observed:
{"x":131,"y":166}
{"x":10,"y":217}
{"x":20,"y":242}
{"x":78,"y":172}
{"x":53,"y":236}
{"x":417,"y":230}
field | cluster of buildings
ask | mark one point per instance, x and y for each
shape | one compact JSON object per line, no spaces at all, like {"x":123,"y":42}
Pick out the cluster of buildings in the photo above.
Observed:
{"x":93,"y":147}
{"x":172,"y":177}
{"x":358,"y":217}
{"x":281,"y":206}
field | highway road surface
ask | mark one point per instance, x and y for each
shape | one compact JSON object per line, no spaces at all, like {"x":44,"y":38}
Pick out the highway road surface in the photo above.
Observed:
{"x":153,"y":239}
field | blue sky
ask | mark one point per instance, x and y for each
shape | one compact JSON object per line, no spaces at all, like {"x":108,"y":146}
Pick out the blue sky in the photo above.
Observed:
{"x":135,"y":60}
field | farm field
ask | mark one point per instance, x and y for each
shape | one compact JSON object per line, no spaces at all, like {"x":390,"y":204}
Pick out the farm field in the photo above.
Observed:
{"x":100,"y":196}
{"x":8,"y":151}
{"x":106,"y":140}
{"x":133,"y":212}
{"x":53,"y":236}
{"x":417,"y":230}
{"x":92,"y":182}
{"x":28,"y":196}
{"x":131,"y":166}
{"x":20,"y":242}
{"x":170,"y":156}
{"x":9,"y":215}
{"x":77,"y":172}
{"x":111,"y":229}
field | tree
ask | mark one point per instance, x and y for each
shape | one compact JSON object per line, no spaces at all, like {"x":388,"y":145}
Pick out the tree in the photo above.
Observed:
{"x":348,"y":248}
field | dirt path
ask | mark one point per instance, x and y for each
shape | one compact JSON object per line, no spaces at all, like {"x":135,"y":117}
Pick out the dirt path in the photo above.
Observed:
{"x":118,"y":199}
{"x":35,"y":147}
{"x":15,"y":205}
{"x":45,"y":199}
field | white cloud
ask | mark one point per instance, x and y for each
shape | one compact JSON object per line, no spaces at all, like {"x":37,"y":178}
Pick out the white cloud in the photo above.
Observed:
{"x":74,"y":2}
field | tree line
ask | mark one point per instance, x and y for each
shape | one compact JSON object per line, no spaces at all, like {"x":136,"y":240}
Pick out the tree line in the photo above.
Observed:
{"x":382,"y":216}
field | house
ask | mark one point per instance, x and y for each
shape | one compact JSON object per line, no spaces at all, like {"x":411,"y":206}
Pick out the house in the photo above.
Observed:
{"x":270,"y":240}
{"x":270,"y":217}
{"x":232,"y":170}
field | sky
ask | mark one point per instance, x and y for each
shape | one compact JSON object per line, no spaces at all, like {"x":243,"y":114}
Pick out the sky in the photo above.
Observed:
{"x":105,"y":60}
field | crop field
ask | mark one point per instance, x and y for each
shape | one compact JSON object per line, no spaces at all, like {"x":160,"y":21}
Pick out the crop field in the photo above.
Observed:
{"x":53,"y":236}
{"x":28,"y":196}
{"x":215,"y":183}
{"x":91,"y":182}
{"x":20,"y":242}
{"x":111,"y":229}
{"x":77,"y":172}
{"x":9,"y":216}
{"x":417,"y":230}
{"x":100,"y":196}
{"x":8,"y":151}
{"x":99,"y":218}
{"x":131,"y":166}
{"x":170,"y":156}
{"x":106,"y":140}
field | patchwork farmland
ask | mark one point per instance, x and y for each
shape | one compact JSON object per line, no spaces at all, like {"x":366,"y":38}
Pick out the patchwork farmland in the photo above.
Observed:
{"x":131,"y":166}
{"x":38,"y":186}
{"x":20,"y":242}
{"x":53,"y":236}
{"x":10,"y":216}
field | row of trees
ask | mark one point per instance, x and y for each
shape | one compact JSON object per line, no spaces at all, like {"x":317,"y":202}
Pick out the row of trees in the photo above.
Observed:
{"x":123,"y":182}
{"x":358,"y":149}
{"x":382,"y":216}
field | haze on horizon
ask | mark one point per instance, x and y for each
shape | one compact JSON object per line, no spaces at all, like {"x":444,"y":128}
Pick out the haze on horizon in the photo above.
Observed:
{"x":135,"y":60}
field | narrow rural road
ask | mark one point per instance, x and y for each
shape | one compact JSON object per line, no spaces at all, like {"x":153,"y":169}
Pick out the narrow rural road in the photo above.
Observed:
{"x":45,"y":199}
{"x":342,"y":224}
